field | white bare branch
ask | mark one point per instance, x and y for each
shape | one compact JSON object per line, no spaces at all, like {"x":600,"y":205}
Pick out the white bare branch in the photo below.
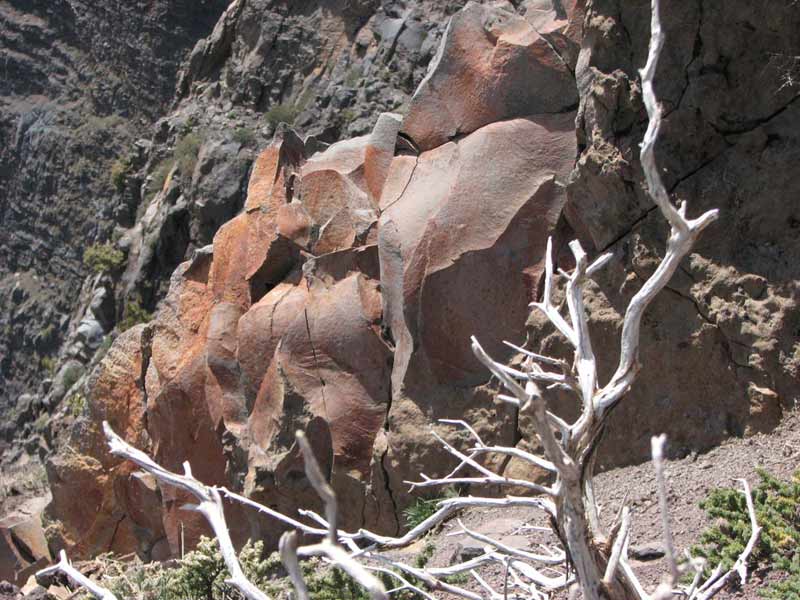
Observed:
{"x":657,"y":445}
{"x":66,"y":567}
{"x":618,"y":548}
{"x":209,"y":505}
{"x":554,"y":558}
{"x":546,"y":305}
{"x":683,"y":234}
{"x":288,"y":550}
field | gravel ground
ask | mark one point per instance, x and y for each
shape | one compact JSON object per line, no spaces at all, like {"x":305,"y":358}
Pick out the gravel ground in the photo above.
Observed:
{"x":689,"y":481}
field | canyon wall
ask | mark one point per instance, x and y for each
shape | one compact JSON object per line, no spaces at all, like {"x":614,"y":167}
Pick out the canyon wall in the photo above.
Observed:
{"x":329,"y":279}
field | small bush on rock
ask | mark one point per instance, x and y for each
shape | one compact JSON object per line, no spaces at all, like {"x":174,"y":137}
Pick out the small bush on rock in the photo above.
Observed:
{"x":186,"y":151}
{"x":159,"y":177}
{"x":77,"y":404}
{"x":201,"y":574}
{"x":281,"y":113}
{"x":133,"y":314}
{"x":422,"y":508}
{"x":103,"y":258}
{"x":119,"y":173}
{"x":244,"y":136}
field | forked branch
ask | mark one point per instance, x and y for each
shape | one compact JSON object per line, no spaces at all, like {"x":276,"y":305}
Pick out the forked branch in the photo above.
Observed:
{"x":64,"y":566}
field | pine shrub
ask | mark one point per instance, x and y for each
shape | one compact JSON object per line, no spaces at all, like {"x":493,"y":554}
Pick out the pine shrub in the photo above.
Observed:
{"x":777,"y":507}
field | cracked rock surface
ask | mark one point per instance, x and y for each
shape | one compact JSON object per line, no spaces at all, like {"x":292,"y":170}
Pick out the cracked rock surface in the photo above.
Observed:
{"x":330,"y":281}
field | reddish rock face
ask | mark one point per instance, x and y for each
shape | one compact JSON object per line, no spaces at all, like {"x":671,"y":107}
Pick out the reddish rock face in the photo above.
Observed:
{"x":492,"y":65}
{"x":341,"y":301}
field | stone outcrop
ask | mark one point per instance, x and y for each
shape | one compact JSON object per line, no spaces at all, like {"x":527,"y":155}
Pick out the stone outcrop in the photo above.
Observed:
{"x":333,"y":287}
{"x":23,"y":547}
{"x":329,"y":304}
{"x":720,"y":344}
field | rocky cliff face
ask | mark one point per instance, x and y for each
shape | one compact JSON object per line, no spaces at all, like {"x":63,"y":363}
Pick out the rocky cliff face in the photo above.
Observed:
{"x":109,"y":138}
{"x":81,"y":81}
{"x":334,"y":287}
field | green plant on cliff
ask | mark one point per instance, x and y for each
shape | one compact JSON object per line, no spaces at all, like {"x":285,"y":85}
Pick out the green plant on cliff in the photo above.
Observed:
{"x":422,"y":508}
{"x":158,"y":177}
{"x":186,"y":152}
{"x":48,"y":363}
{"x":777,"y":506}
{"x":119,"y":173}
{"x":201,"y":574}
{"x":244,"y":136}
{"x":133,"y":314}
{"x":103,"y":258}
{"x":77,"y":404}
{"x":281,"y":113}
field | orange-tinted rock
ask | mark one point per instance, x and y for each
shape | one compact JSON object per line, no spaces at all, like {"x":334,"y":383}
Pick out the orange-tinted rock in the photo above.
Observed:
{"x":273,"y":171}
{"x":461,"y":243}
{"x":379,"y":154}
{"x":339,"y":301}
{"x":22,"y":542}
{"x":462,"y":239}
{"x":492,"y":65}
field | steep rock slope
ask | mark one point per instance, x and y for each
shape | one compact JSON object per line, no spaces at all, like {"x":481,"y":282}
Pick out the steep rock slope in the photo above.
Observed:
{"x":326,"y":304}
{"x":341,"y":298}
{"x":115,"y":143}
{"x":81,"y":80}
{"x":722,"y":356}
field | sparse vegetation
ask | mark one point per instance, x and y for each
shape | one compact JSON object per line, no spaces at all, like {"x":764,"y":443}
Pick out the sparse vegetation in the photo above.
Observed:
{"x":422,"y":508}
{"x":119,"y":173}
{"x":158,"y":177}
{"x":244,"y":136}
{"x":72,"y":374}
{"x":281,"y":113}
{"x":77,"y":404}
{"x":103,"y":258}
{"x":778,"y":513}
{"x":186,"y":152}
{"x":48,"y":363}
{"x":133,"y":314}
{"x":352,"y":77}
{"x":201,"y":574}
{"x":348,"y":115}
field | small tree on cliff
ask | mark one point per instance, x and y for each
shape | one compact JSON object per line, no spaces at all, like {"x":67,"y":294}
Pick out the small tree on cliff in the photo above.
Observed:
{"x":590,"y":557}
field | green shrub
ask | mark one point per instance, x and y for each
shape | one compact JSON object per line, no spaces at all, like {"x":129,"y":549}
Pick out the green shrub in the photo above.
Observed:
{"x":103,"y":258}
{"x":281,"y":113}
{"x":422,"y":508}
{"x":159,"y":177}
{"x":48,"y":363}
{"x":77,"y":404}
{"x":201,"y":574}
{"x":133,"y":314}
{"x":777,"y":507}
{"x":244,"y":136}
{"x":119,"y":173}
{"x":353,"y":77}
{"x":186,"y":152}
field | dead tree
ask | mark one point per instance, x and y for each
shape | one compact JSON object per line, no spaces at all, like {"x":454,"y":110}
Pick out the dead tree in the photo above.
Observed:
{"x":588,"y":557}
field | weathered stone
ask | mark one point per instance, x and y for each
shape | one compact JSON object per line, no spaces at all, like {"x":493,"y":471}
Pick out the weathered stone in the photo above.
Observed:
{"x":22,"y":543}
{"x":341,"y":300}
{"x":492,"y":65}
